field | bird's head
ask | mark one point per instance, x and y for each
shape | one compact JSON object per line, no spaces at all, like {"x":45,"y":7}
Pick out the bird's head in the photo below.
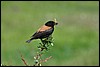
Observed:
{"x":51,"y":23}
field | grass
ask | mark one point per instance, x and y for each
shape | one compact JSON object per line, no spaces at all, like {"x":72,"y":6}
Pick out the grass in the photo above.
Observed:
{"x":76,"y":38}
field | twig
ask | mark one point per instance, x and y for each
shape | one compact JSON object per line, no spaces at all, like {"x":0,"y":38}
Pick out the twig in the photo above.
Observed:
{"x":23,"y":59}
{"x":46,"y":59}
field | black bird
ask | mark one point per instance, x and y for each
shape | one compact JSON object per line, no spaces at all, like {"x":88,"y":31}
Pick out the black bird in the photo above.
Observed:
{"x":44,"y":31}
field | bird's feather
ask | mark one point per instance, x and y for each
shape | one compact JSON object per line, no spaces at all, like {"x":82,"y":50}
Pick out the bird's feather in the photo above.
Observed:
{"x":42,"y":34}
{"x":43,"y":28}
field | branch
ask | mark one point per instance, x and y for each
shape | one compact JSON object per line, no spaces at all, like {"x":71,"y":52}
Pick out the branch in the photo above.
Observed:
{"x":22,"y":58}
{"x":46,"y":59}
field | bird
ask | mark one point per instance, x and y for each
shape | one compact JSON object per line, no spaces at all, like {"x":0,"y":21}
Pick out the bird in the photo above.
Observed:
{"x":44,"y":31}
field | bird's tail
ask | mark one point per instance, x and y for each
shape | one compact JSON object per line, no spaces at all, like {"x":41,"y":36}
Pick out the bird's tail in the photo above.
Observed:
{"x":28,"y":41}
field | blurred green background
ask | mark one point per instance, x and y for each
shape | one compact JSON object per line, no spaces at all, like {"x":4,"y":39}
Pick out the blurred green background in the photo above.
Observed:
{"x":76,"y":38}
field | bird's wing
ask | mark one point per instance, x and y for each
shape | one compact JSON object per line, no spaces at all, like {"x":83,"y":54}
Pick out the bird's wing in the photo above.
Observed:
{"x":43,"y":28}
{"x":42,"y":33}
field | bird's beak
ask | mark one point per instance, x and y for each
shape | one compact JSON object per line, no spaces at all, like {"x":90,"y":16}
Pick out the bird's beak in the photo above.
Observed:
{"x":55,"y":21}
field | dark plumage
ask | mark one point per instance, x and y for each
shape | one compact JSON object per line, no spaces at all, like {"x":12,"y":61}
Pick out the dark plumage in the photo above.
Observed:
{"x":43,"y":32}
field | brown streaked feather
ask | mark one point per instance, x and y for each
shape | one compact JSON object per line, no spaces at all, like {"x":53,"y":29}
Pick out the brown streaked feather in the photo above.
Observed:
{"x":43,"y":28}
